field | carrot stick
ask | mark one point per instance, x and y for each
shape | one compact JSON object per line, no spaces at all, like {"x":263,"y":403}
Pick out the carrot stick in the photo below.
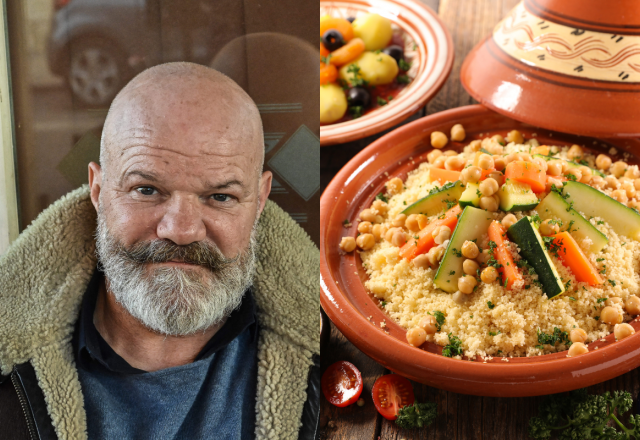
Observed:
{"x":347,"y":53}
{"x":572,"y":256}
{"x":527,"y":172}
{"x":425,"y":240}
{"x":509,"y":270}
{"x":443,"y":176}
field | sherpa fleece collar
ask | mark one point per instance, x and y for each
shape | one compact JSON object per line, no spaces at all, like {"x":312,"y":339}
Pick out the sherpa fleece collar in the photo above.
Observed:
{"x":46,"y":270}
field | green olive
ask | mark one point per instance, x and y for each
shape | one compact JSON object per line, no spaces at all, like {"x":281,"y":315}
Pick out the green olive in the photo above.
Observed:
{"x":376,"y":68}
{"x":374,"y":30}
{"x":333,"y":103}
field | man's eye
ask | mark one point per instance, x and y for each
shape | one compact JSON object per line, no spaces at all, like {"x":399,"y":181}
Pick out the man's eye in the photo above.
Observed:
{"x":146,"y":190}
{"x":221,"y":197}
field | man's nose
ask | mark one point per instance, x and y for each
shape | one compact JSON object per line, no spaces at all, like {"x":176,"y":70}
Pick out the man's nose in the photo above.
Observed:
{"x":182,"y":222}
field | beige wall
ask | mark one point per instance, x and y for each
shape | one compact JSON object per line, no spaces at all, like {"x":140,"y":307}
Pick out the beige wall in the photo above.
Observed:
{"x":38,"y":14}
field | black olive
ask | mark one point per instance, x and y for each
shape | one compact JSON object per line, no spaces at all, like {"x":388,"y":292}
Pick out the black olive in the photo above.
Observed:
{"x":395,"y":52}
{"x":359,"y":97}
{"x":332,"y":40}
{"x":351,"y":19}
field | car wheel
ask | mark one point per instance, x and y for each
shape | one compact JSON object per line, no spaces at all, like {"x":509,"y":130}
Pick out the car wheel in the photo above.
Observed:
{"x":97,"y":72}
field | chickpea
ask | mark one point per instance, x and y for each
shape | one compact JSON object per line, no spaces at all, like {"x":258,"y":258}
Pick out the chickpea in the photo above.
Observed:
{"x":364,"y":227}
{"x":542,"y":164}
{"x":632,"y":172}
{"x":533,"y":143}
{"x":460,"y":298}
{"x":367,"y":215}
{"x":543,"y":149}
{"x":634,"y":204}
{"x":497,"y":176}
{"x":379,"y":219}
{"x":499,"y":163}
{"x":632,"y":305}
{"x":439,"y":162}
{"x":412,"y":223}
{"x":457,"y":133}
{"x":398,"y":239}
{"x":438,"y":139}
{"x":610,"y":315}
{"x":515,"y":136}
{"x":575,"y":172}
{"x":597,"y":182}
{"x":489,"y":275}
{"x":489,"y":204}
{"x":549,"y":227}
{"x":574,"y":153}
{"x":471,"y":174}
{"x":612,"y":182}
{"x":348,"y":244}
{"x":450,"y":153}
{"x":525,"y":157}
{"x":470,"y":267}
{"x":618,"y":168}
{"x":454,"y":163}
{"x":554,"y":168}
{"x":399,"y":221}
{"x":421,"y":261}
{"x":629,"y":188}
{"x":621,"y":331}
{"x":365,"y":241}
{"x":620,"y":195}
{"x":489,"y":187}
{"x":578,"y":335}
{"x":470,"y":249}
{"x":577,"y":348}
{"x":376,"y":230}
{"x":394,"y":186}
{"x":423,"y":221}
{"x":433,"y":155}
{"x":388,"y":236}
{"x":551,"y":182}
{"x":416,"y":336}
{"x":603,"y":162}
{"x":380,"y":206}
{"x":485,"y":162}
{"x":475,"y":145}
{"x":483,"y":257}
{"x":435,"y":254}
{"x":636,"y":184}
{"x":429,"y":324}
{"x":441,"y":234}
{"x":587,"y":173}
{"x":466,"y":284}
{"x":498,"y":138}
{"x":508,"y":221}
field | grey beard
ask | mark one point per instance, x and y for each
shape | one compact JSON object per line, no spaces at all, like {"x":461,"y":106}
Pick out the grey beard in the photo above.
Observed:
{"x":172,"y":300}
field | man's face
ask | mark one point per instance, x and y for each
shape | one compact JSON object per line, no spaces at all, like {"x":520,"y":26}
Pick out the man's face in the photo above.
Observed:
{"x":182,"y":171}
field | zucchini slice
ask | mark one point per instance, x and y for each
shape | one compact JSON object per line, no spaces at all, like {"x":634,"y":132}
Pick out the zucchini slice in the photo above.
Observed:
{"x":438,"y":200}
{"x":517,"y":196}
{"x":472,"y":225}
{"x":553,"y":206}
{"x":470,"y":196}
{"x":570,"y":163}
{"x":625,"y":221}
{"x":532,"y":248}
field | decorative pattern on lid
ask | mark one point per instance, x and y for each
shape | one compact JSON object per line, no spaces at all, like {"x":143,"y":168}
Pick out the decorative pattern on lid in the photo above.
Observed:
{"x":569,"y":51}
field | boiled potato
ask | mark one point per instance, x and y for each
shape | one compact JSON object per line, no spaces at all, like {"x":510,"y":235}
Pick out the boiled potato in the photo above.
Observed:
{"x":333,"y":103}
{"x":376,"y":68}
{"x":374,"y":30}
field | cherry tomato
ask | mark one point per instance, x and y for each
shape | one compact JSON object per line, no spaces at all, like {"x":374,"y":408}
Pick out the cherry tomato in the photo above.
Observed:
{"x":342,"y":383}
{"x":390,"y":393}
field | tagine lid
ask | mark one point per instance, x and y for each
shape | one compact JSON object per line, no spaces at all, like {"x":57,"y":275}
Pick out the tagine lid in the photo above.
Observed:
{"x":566,"y":65}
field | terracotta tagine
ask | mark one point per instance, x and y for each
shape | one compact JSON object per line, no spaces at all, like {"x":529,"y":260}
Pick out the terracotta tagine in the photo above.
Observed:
{"x":566,"y":65}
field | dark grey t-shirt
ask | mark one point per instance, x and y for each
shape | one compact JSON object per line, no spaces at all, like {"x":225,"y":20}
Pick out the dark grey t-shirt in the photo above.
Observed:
{"x":213,"y":397}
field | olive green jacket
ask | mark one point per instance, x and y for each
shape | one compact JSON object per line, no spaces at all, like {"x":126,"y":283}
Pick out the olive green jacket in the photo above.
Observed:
{"x":46,"y":270}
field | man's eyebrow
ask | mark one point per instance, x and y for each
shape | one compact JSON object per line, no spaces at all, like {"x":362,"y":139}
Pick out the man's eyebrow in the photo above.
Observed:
{"x":225,"y":185}
{"x":146,"y":176}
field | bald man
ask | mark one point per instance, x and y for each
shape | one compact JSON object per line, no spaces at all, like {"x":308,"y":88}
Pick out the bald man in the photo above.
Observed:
{"x":199,"y":317}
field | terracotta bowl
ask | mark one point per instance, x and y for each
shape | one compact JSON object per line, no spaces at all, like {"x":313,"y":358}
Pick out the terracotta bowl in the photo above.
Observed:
{"x":358,"y":315}
{"x":427,"y":46}
{"x":569,"y":65}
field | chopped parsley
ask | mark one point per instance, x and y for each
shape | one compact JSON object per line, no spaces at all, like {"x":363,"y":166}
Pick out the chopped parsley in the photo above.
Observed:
{"x":356,"y":111}
{"x":572,"y":298}
{"x":602,"y":300}
{"x":382,"y":197}
{"x":553,"y":339}
{"x":494,"y":333}
{"x":383,"y":303}
{"x":490,"y":305}
{"x":403,"y":79}
{"x":450,"y":203}
{"x":454,"y":348}
{"x":571,"y":177}
{"x":440,"y":318}
{"x":346,"y":222}
{"x":599,"y":222}
{"x":381,"y":101}
{"x":457,"y":253}
{"x":403,"y":65}
{"x":613,"y":283}
{"x":356,"y":79}
{"x":599,"y":259}
{"x":453,"y":272}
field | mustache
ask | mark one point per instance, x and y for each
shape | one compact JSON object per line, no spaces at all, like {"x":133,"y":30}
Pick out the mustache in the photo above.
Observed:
{"x":164,"y":251}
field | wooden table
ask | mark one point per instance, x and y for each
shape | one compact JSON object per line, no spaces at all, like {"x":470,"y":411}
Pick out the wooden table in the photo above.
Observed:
{"x":459,"y":416}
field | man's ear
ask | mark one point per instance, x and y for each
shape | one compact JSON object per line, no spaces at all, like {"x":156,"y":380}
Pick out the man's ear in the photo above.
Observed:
{"x":265,"y":189}
{"x":95,"y":183}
